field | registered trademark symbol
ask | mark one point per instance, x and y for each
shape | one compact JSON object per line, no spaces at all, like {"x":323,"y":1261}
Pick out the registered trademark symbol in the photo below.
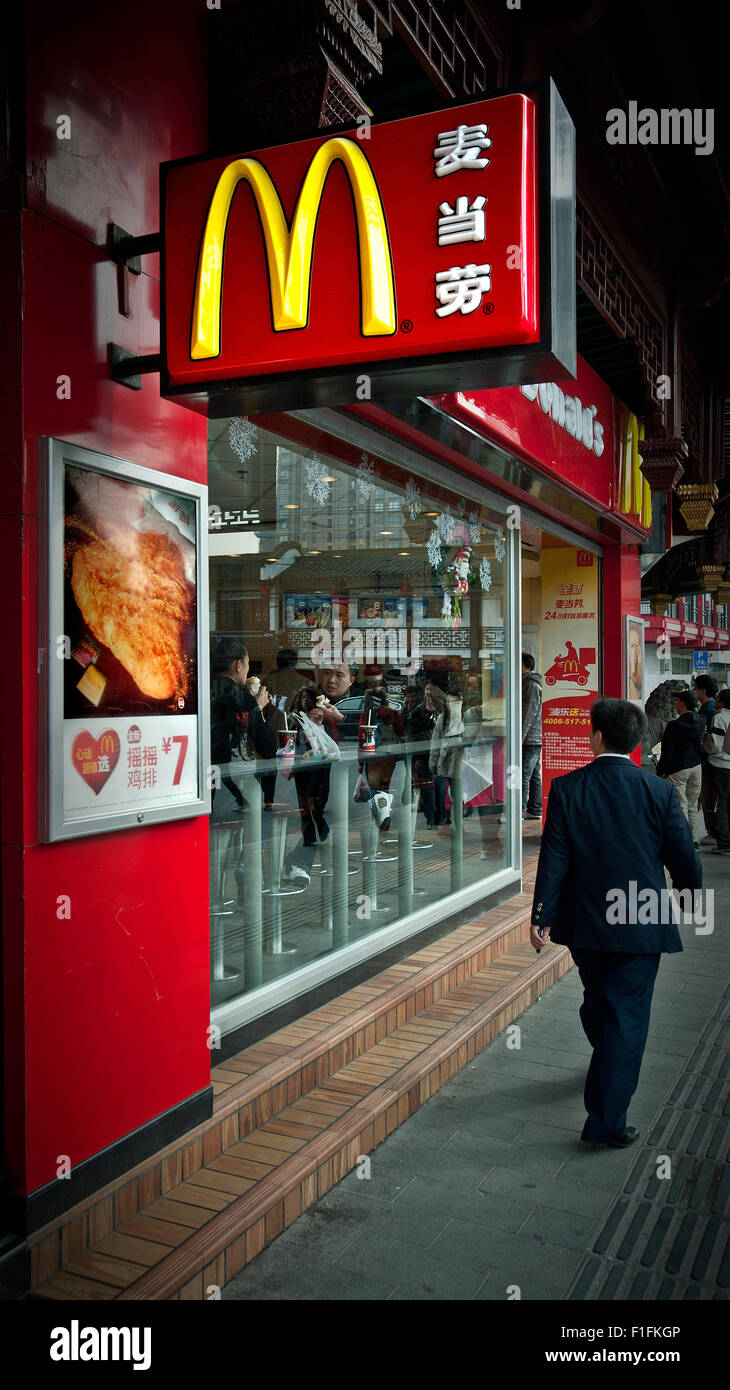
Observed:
{"x":406,"y":326}
{"x":488,"y":308}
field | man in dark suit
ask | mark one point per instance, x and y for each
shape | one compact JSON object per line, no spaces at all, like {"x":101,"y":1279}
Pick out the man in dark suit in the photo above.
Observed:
{"x":610,"y":829}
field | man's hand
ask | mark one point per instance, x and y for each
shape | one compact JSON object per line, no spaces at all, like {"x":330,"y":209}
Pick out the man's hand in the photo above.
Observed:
{"x":316,"y":716}
{"x":539,"y":941}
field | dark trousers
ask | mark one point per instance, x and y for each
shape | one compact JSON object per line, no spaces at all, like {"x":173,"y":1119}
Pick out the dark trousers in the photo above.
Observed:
{"x":532,"y":778}
{"x":422,"y":781}
{"x":716,"y":808}
{"x":313,"y":789}
{"x":615,"y":1015}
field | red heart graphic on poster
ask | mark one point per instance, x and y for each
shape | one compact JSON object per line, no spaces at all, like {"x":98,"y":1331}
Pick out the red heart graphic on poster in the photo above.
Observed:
{"x":95,"y":758}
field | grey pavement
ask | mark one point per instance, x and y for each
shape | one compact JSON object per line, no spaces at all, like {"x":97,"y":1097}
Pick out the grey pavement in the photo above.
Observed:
{"x":486,"y":1192}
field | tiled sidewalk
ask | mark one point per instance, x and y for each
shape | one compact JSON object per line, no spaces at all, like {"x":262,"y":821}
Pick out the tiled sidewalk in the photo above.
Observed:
{"x":487,"y":1186}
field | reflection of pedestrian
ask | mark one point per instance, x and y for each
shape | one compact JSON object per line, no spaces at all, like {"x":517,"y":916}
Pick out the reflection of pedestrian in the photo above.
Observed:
{"x":377,"y":772}
{"x":313,"y":786}
{"x":418,"y":720}
{"x":531,"y":739}
{"x":238,"y":729}
{"x":446,"y":748}
{"x":237,"y":725}
{"x":609,"y":831}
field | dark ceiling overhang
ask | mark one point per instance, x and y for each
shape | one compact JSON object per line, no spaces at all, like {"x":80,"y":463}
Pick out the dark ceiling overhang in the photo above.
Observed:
{"x":676,"y":572}
{"x":615,"y":359}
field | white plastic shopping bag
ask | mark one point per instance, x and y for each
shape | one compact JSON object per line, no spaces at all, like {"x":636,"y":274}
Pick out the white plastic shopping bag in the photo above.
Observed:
{"x":320,"y":742}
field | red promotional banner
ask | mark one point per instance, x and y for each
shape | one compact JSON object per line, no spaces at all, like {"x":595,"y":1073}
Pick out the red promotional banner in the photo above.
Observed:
{"x":565,"y":430}
{"x":570,"y":657}
{"x":576,"y":432}
{"x":410,"y":243}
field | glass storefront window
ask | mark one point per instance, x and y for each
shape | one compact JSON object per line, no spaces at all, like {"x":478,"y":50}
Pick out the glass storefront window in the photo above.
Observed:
{"x":361,"y":672}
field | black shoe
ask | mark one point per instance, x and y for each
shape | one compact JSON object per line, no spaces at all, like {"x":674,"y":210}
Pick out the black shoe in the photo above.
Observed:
{"x":629,"y":1136}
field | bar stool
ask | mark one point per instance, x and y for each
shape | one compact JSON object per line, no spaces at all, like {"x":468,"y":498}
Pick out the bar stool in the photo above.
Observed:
{"x":224,"y":836}
{"x":371,"y":857}
{"x":323,"y":866}
{"x":274,"y":854}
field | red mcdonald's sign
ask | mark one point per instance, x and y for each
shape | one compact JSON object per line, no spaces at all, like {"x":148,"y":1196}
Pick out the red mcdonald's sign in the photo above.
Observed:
{"x":423,"y":253}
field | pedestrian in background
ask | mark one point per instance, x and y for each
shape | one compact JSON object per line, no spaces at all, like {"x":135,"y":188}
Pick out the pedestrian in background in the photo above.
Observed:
{"x":681,"y":756}
{"x":705,"y":688}
{"x":718,"y":770}
{"x":531,"y":739}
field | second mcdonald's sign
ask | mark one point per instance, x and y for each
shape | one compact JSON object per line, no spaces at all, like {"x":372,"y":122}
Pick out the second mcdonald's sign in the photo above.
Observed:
{"x":436,"y":252}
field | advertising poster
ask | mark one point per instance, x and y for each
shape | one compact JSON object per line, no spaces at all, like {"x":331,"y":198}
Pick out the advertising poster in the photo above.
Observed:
{"x":634,"y":659}
{"x":375,"y":609}
{"x":570,"y":653}
{"x":124,"y":685}
{"x":307,"y":610}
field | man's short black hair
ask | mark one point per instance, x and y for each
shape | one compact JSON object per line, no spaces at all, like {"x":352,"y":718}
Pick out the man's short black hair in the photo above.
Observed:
{"x":622,"y":724}
{"x":286,"y":657}
{"x":723,"y":696}
{"x":528,"y":660}
{"x":224,"y":651}
{"x":706,"y":683}
{"x":687,"y":697}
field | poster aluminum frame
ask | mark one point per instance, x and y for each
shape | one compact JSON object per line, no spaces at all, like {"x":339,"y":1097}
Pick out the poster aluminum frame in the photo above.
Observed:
{"x":53,"y":823}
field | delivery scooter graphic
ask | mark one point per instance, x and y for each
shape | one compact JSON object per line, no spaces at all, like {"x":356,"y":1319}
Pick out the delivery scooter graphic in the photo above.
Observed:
{"x":574,"y":666}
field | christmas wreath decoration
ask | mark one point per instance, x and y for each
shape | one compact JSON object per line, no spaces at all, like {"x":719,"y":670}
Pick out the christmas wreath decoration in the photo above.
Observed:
{"x":452,"y":571}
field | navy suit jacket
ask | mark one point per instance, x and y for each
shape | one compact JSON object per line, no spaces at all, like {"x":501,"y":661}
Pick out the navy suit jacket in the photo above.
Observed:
{"x":610,"y":825}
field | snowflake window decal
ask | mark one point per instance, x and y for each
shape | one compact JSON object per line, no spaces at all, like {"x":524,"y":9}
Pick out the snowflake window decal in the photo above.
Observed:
{"x":433,"y":549}
{"x":412,"y":498}
{"x":499,"y":547}
{"x":444,"y":523}
{"x":366,"y":480}
{"x":317,"y":481}
{"x":243,"y":437}
{"x":485,"y":575}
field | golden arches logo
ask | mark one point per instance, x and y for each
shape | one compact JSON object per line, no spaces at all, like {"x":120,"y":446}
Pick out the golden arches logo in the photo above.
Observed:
{"x":289,"y":249}
{"x":634,"y":490}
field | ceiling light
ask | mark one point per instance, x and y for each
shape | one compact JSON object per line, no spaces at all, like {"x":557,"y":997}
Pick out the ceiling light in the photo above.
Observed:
{"x":385,"y":533}
{"x":294,"y":506}
{"x":403,"y":552}
{"x":430,"y":513}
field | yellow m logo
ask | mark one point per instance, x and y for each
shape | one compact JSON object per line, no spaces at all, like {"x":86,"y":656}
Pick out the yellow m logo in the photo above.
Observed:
{"x":635,"y":493}
{"x":289,"y":249}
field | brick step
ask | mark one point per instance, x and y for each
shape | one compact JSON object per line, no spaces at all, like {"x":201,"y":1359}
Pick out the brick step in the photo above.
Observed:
{"x":259,"y":1082}
{"x":211,"y":1223}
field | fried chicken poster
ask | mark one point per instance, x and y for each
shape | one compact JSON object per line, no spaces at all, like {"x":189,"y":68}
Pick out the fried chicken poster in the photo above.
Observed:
{"x":129,"y":598}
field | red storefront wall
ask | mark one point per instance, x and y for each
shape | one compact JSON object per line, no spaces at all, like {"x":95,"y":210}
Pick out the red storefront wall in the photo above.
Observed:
{"x":106,"y":1013}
